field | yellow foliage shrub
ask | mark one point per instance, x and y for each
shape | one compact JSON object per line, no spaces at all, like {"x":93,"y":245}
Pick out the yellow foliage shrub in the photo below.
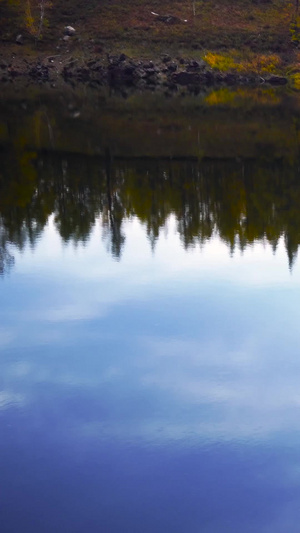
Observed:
{"x":220,"y":61}
{"x":257,"y":63}
{"x":296,"y":80}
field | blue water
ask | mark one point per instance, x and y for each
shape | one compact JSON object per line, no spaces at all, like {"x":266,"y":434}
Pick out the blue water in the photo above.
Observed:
{"x":155,"y":393}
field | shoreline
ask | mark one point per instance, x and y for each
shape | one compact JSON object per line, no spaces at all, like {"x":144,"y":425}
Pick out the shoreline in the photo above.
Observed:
{"x":165,"y":72}
{"x":120,"y":70}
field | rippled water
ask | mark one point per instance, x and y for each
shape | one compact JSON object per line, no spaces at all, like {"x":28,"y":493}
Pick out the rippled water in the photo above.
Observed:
{"x":149,"y":328}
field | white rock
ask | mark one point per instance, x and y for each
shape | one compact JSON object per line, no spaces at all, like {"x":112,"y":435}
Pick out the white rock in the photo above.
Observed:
{"x":69,"y":30}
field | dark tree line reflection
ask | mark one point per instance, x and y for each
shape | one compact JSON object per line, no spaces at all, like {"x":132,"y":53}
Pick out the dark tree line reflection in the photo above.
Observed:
{"x":242,"y":201}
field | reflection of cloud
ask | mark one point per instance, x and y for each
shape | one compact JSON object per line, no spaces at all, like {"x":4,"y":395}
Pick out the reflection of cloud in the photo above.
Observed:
{"x":10,"y":399}
{"x":68,"y":312}
{"x":27,"y":374}
{"x":287,"y":518}
{"x":6,"y":337}
{"x":179,"y":390}
{"x":19,"y":369}
{"x":217,"y":392}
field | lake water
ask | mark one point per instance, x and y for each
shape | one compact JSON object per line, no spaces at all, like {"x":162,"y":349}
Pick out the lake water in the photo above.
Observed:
{"x":149,"y":332}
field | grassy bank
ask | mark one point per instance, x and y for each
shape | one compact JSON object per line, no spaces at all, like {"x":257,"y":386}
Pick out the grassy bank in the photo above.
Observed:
{"x":230,"y":35}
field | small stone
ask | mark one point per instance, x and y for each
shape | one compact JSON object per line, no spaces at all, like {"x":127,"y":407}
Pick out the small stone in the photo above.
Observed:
{"x":19,"y":39}
{"x":66,"y":38}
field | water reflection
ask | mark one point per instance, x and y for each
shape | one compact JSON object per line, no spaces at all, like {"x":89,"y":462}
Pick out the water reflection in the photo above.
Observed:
{"x":158,"y":392}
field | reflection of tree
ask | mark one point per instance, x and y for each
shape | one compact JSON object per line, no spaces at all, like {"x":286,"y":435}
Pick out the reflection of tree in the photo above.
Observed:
{"x":242,"y":201}
{"x":6,"y":258}
{"x":19,"y":218}
{"x":113,"y":214}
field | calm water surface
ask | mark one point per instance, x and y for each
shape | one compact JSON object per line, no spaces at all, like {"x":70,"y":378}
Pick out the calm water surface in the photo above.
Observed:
{"x":149,"y":327}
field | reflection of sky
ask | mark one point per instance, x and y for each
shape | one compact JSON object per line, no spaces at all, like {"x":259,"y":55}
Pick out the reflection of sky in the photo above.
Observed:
{"x":158,"y":393}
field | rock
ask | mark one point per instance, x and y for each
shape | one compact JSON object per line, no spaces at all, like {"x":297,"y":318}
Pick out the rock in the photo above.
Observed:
{"x":185,"y":78}
{"x":83,"y":74}
{"x":129,"y":70}
{"x":277,"y":80}
{"x":149,"y":72}
{"x":66,"y":38}
{"x":69,"y":31}
{"x":66,"y":73}
{"x":140,"y":73}
{"x":148,"y":65}
{"x":219,"y":77}
{"x":196,"y":65}
{"x":19,"y":39}
{"x":172,"y":67}
{"x":169,"y":19}
{"x":39,"y":72}
{"x":210,"y":77}
{"x":166,"y":58}
{"x":230,"y":79}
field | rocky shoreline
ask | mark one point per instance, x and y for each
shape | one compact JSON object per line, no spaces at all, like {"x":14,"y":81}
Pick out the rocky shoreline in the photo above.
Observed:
{"x":167,"y":72}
